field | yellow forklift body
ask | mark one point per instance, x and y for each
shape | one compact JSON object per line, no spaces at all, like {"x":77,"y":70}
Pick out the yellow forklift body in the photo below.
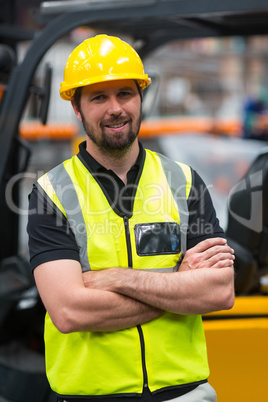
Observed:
{"x":238,"y":350}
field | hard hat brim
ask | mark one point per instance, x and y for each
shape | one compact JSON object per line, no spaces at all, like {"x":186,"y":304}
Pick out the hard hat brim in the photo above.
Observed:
{"x":67,"y":92}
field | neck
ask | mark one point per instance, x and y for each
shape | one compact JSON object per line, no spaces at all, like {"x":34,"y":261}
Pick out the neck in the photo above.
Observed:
{"x":118,"y":161}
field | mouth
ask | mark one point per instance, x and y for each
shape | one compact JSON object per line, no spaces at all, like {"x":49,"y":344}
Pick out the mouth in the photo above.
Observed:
{"x":116,"y":126}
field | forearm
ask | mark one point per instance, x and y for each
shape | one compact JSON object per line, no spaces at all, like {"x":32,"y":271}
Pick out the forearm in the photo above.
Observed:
{"x":72,"y":307}
{"x":99,"y":310}
{"x":188,"y":292}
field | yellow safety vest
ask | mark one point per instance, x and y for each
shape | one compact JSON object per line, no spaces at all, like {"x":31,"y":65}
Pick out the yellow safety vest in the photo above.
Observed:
{"x":169,"y":351}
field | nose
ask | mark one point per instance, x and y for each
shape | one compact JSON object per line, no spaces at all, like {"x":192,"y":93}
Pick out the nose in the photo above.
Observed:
{"x":114,"y":106}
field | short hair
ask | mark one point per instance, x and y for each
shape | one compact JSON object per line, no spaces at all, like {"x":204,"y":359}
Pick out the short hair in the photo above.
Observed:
{"x":77,"y":97}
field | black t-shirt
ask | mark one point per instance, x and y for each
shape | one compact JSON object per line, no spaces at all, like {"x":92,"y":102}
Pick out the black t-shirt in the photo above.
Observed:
{"x":51,"y":237}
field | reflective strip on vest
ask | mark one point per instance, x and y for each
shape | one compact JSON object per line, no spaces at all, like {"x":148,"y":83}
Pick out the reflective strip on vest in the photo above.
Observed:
{"x":61,"y":180}
{"x":177,"y":183}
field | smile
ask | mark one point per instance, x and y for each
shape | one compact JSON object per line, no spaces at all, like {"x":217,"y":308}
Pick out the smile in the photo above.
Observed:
{"x":116,"y":125}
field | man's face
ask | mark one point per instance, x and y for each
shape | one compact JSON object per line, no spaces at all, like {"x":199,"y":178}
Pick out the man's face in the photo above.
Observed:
{"x":111,"y":114}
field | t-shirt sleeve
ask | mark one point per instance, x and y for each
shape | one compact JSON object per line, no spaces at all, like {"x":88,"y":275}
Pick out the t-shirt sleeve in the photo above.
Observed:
{"x":203,"y":222}
{"x":50,"y":235}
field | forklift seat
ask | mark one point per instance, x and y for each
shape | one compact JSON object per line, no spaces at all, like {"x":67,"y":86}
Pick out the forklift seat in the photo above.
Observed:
{"x":247,"y":228}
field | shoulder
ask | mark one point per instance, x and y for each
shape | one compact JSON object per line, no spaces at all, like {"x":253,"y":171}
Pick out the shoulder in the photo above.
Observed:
{"x":50,"y":235}
{"x":169,"y":163}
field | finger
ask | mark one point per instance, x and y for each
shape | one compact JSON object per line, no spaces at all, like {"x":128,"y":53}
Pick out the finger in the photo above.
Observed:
{"x":207,"y":244}
{"x":214,"y":260}
{"x":218,"y":250}
{"x":224,"y":254}
{"x":224,"y":263}
{"x":201,"y":259}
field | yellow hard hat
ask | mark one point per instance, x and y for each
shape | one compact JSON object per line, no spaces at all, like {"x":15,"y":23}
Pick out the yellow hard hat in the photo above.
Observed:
{"x":99,"y":59}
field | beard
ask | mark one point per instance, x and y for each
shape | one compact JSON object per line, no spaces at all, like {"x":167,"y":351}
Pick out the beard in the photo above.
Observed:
{"x":118,"y":143}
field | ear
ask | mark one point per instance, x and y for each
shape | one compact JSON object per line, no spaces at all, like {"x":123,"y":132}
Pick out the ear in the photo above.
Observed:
{"x":76,"y":110}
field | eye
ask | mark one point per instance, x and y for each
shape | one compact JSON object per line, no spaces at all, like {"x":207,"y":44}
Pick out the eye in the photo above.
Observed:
{"x":98,"y":98}
{"x":125,"y":94}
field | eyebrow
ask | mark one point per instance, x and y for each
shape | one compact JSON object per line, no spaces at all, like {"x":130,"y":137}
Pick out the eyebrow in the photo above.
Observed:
{"x":95,"y":93}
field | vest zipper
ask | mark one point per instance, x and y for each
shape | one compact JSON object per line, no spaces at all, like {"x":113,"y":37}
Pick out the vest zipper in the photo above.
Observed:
{"x":129,"y":252}
{"x":130,"y":264}
{"x":145,"y":377}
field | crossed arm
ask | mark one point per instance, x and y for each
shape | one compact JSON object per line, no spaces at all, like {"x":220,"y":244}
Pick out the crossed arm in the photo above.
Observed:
{"x":119,"y":298}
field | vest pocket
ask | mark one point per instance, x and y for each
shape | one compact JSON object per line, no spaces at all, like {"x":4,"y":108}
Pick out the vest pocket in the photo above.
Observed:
{"x":157,"y":238}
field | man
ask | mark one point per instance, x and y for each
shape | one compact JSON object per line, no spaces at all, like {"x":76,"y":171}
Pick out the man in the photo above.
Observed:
{"x":122,"y":274}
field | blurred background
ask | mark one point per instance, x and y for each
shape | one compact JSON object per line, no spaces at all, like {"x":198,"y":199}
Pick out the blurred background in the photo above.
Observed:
{"x":207,"y":106}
